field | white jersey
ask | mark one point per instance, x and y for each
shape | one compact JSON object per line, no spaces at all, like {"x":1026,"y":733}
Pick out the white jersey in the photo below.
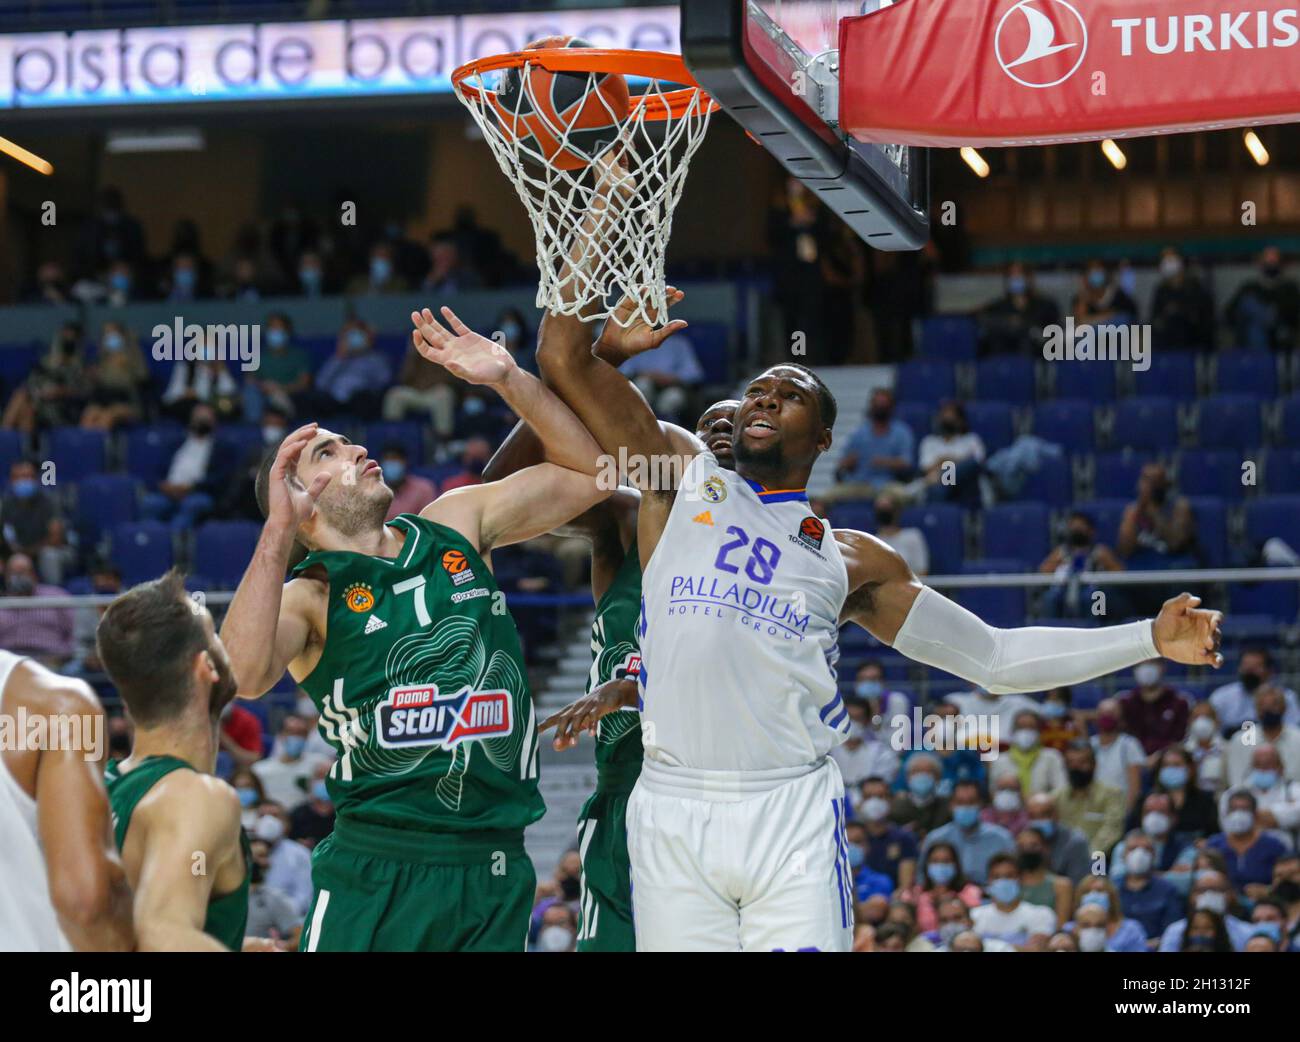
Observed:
{"x":27,"y":919}
{"x":739,"y":625}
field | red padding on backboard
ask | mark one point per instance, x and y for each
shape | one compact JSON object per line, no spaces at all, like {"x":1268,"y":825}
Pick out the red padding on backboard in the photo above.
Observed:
{"x":1027,"y":72}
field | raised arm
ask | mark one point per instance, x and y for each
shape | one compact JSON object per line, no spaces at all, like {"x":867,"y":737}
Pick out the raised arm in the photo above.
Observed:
{"x":890,"y":602}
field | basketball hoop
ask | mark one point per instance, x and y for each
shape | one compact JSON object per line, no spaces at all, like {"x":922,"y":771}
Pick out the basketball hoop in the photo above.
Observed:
{"x":564,"y":129}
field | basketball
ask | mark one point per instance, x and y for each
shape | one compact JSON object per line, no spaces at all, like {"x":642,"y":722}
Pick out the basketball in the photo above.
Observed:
{"x":565,"y":118}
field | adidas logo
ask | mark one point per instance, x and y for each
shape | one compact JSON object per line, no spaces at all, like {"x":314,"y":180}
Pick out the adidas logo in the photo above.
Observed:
{"x":375,"y":623}
{"x":705,"y":518}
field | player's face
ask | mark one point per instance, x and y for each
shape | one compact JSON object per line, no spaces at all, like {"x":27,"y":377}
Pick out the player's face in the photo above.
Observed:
{"x":779,"y":420}
{"x":223,"y":691}
{"x":716,"y":429}
{"x":356,"y":491}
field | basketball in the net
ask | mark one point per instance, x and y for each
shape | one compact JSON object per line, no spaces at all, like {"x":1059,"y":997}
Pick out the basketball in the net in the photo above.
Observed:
{"x":566,"y":118}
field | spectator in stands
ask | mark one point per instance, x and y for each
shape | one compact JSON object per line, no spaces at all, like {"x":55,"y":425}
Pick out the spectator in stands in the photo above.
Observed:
{"x":1063,"y":942}
{"x":249,"y":790}
{"x":1014,"y":323}
{"x":480,"y":249}
{"x":1234,"y":703}
{"x":950,"y":461}
{"x":185,"y":282}
{"x":116,"y":286}
{"x":105,"y":581}
{"x":473,"y":458}
{"x":290,"y":862}
{"x":1174,"y":852}
{"x":1039,"y":885}
{"x":423,"y":387}
{"x":1157,"y":531}
{"x":198,"y":473}
{"x":118,"y":379}
{"x":382,"y":275}
{"x":244,"y":285}
{"x":1087,"y":804}
{"x":1120,"y":756}
{"x":207,"y":381}
{"x":559,"y":929}
{"x":1101,"y":300}
{"x":668,"y":376}
{"x":411,"y":493}
{"x":867,"y":882}
{"x":54,"y":392}
{"x":998,"y":711}
{"x":1007,"y":915}
{"x":313,"y":819}
{"x":288,"y":772}
{"x":448,"y":274}
{"x":32,"y":523}
{"x":1207,"y":748}
{"x":45,"y":634}
{"x":940,"y":880}
{"x":241,"y":735}
{"x":1271,"y":729}
{"x":355,"y":378}
{"x":919,"y":806}
{"x":51,"y":285}
{"x":1038,"y":769}
{"x":1194,"y":811}
{"x":1277,"y":797}
{"x":1067,"y":849}
{"x":1268,"y":920}
{"x":1145,"y":895}
{"x":976,"y":841}
{"x":292,"y":234}
{"x":1207,"y":932}
{"x":1286,"y":892}
{"x":1265,"y":311}
{"x":1248,"y":851}
{"x":1209,"y":910}
{"x":270,"y":912}
{"x":880,"y":452}
{"x":891,"y":850}
{"x":1099,"y":921}
{"x":514,"y":338}
{"x":910,"y":542}
{"x":1182,"y":312}
{"x":887,"y":709}
{"x":1153,"y":711}
{"x":309,"y":274}
{"x":956,"y":931}
{"x":284,"y":371}
{"x":1060,"y":727}
{"x":1007,"y":804}
{"x":111,"y":234}
{"x":1078,"y":552}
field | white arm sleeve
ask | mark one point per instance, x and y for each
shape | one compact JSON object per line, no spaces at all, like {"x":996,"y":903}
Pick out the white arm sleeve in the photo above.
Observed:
{"x":945,"y":635}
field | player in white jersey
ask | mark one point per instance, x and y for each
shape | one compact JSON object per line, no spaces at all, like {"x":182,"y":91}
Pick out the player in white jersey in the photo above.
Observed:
{"x":736,"y":825}
{"x":61,"y":882}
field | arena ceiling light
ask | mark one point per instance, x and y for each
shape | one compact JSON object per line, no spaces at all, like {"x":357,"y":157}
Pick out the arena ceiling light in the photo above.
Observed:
{"x":1256,"y":148}
{"x":31,"y":159}
{"x":172,"y":139}
{"x":975,"y":161}
{"x":1115,"y":154}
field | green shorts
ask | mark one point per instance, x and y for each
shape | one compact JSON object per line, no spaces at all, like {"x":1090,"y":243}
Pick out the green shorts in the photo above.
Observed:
{"x":605,"y":909}
{"x":380,"y":889}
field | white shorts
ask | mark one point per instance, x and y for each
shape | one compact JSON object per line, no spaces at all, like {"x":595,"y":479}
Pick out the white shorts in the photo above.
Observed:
{"x":728,"y":862}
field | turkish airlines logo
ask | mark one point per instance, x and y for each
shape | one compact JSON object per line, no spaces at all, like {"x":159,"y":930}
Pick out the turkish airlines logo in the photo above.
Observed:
{"x":1041,"y":43}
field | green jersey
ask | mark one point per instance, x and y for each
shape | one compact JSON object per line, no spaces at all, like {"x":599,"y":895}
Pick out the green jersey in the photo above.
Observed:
{"x":422,"y":689}
{"x":227,"y":914}
{"x":616,"y":654}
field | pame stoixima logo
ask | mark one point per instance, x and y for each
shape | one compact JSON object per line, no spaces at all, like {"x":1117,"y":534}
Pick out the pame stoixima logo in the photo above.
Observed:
{"x":419,"y":715}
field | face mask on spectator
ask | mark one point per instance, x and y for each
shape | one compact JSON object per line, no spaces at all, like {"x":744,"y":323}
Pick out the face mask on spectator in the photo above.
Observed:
{"x":1092,"y":939}
{"x":555,"y":939}
{"x":1080,"y":777}
{"x":1017,"y":285}
{"x":1031,"y":860}
{"x":1107,"y":722}
{"x":857,"y":856}
{"x":380,"y":269}
{"x":948,"y":931}
{"x":201,"y":427}
{"x":269,"y":829}
{"x":921,"y":784}
{"x":1268,"y":929}
{"x":1270,"y":719}
{"x":20,"y":585}
{"x":473,"y":406}
{"x":1004,"y":891}
{"x":1138,"y":861}
{"x":24,"y":488}
{"x":119,"y":282}
{"x":1025,"y":739}
{"x":874,"y":808}
{"x":184,"y":278}
{"x":1250,"y":681}
{"x":1211,"y":901}
{"x":1006,"y":800}
{"x":113,"y":342}
{"x":1171,"y":267}
{"x":868,"y":688}
{"x":1263,"y":779}
{"x":320,"y":790}
{"x":357,"y":340}
{"x":272,"y":434}
{"x":247,"y":795}
{"x":1097,"y":278}
{"x":1202,"y":728}
{"x":941,"y":873}
{"x":276,"y":338}
{"x":1044,"y":825}
{"x":1147,"y":674}
{"x":1238,"y":822}
{"x":1098,"y":898}
{"x":394,"y":470}
{"x":1173,"y":776}
{"x":1155,"y":823}
{"x":293,"y":745}
{"x":1054,"y":710}
{"x":310,"y":278}
{"x":965,"y":816}
{"x":512,"y":330}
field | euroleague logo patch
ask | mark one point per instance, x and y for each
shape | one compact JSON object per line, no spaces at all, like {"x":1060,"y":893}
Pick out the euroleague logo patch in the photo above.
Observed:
{"x":418,"y":715}
{"x":359,"y":597}
{"x":812,"y":531}
{"x":455,"y":564}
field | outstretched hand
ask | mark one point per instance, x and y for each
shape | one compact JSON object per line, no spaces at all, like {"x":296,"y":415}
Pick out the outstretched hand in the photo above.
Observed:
{"x":583,"y":715}
{"x":619,"y":342}
{"x":1188,"y":634}
{"x":462,"y":352}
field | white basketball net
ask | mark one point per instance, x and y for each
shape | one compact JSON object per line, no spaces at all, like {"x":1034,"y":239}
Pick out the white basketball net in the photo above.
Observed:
{"x":602,"y":230}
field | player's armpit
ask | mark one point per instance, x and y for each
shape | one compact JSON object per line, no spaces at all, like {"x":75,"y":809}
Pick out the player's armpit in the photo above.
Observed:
{"x":188,"y":818}
{"x":882,"y":588}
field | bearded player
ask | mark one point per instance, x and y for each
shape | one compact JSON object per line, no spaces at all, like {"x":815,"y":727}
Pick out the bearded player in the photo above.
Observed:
{"x":401,"y":637}
{"x":736,"y":823}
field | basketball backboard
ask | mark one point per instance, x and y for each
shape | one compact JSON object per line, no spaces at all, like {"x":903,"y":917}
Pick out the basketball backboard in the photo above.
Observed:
{"x":773,"y":65}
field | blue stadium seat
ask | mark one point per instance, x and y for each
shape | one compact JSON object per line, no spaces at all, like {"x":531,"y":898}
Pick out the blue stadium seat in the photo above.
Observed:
{"x":1280,"y":601}
{"x":141,"y":550}
{"x":1069,"y":423}
{"x":16,"y":361}
{"x":917,"y":415}
{"x":1290,"y":416}
{"x":11,"y":449}
{"x":1017,"y":531}
{"x":149,"y":451}
{"x":222,"y":550}
{"x":104,"y":501}
{"x":1092,"y":381}
{"x":993,"y":422}
{"x":1002,"y":606}
{"x":925,"y":382}
{"x":1270,"y":516}
{"x":942,"y":525}
{"x":407,"y":433}
{"x":1117,"y":474}
{"x":1150,"y":424}
{"x":1229,"y":421}
{"x":1212,"y":472}
{"x":1246,"y":372}
{"x":239,"y":439}
{"x":948,"y":338}
{"x":1052,"y":484}
{"x":857,"y":514}
{"x":1005,"y":379}
{"x":1086,"y":696}
{"x":1172,"y":375}
{"x":1211,"y":529}
{"x":1282,"y":472}
{"x":77,"y":453}
{"x":1106,"y":515}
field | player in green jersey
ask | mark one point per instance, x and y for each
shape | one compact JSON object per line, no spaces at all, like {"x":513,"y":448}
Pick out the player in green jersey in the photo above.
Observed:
{"x":401,"y":637}
{"x":177,"y":826}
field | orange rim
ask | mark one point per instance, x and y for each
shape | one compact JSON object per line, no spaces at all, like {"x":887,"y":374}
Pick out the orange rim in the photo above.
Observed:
{"x":653,"y":65}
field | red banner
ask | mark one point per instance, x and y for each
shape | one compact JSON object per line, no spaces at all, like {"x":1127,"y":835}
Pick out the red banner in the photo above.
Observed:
{"x":1032,"y":72}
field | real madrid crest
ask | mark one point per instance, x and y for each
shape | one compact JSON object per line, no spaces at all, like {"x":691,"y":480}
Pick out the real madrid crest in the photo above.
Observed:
{"x":714,"y":490}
